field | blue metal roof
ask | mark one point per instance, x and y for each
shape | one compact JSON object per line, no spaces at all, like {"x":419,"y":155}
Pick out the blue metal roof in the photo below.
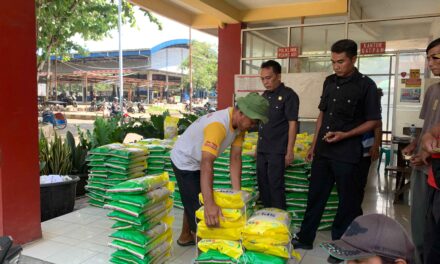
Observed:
{"x":141,"y":52}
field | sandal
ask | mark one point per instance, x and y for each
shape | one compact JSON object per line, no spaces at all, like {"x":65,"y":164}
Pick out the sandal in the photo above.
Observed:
{"x":186,"y":244}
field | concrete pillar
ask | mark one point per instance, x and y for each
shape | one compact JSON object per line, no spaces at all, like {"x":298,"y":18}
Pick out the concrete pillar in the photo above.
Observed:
{"x":19,"y":166}
{"x":229,"y":59}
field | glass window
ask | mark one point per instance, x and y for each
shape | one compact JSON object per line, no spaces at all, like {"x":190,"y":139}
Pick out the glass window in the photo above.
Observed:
{"x":316,"y":40}
{"x":398,"y":34}
{"x":369,"y":9}
{"x":253,"y":66}
{"x":311,"y":64}
{"x":263,"y":43}
{"x":374,"y":64}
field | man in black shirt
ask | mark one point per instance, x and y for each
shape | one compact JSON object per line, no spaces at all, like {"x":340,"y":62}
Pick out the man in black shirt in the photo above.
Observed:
{"x":349,"y":107}
{"x":276,"y":138}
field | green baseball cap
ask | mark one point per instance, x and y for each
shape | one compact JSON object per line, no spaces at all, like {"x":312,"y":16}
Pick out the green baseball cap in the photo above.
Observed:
{"x":254,"y":106}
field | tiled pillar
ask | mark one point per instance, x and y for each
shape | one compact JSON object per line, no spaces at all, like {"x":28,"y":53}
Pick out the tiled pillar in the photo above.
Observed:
{"x":19,"y":167}
{"x":229,"y":55}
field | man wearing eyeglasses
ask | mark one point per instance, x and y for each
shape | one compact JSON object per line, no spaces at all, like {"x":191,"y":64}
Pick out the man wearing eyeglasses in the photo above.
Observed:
{"x":430,"y":113}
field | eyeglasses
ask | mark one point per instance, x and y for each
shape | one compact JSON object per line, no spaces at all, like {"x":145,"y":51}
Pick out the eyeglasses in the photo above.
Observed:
{"x":434,"y":57}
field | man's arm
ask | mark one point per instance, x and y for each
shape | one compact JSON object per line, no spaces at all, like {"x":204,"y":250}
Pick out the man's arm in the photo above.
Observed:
{"x":235,"y":167}
{"x":212,"y":211}
{"x":311,"y":150}
{"x":333,"y":137}
{"x":290,"y":143}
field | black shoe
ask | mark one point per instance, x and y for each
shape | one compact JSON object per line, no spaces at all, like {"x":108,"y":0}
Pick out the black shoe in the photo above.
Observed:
{"x":332,"y":259}
{"x":299,"y":245}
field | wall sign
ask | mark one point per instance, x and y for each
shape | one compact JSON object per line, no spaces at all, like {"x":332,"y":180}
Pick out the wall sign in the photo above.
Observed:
{"x":373,"y":47}
{"x":288,"y":52}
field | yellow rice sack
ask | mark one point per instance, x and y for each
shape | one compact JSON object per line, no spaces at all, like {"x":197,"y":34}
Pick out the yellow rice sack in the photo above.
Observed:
{"x":268,"y":222}
{"x":230,"y":215}
{"x":170,"y":127}
{"x":280,"y":251}
{"x":230,"y":248}
{"x":228,"y":198}
{"x":269,"y":238}
{"x":205,"y":232}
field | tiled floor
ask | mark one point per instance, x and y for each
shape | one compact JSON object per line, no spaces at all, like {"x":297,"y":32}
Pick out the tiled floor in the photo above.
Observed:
{"x":82,"y":236}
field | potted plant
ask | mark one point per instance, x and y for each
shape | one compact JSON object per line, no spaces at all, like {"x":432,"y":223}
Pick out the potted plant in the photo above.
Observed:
{"x":56,"y":198}
{"x":78,"y":154}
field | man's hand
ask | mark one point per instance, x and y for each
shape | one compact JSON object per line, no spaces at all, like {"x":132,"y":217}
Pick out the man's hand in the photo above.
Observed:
{"x":288,"y":159}
{"x":333,"y":137}
{"x":309,"y":156}
{"x":429,"y":143}
{"x":374,"y":153}
{"x":408,"y":150}
{"x":417,"y":160}
{"x":212,"y":214}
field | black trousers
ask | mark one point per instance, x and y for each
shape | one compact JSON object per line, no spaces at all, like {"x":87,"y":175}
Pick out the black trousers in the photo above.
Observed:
{"x":189,"y":188}
{"x":364,"y":168}
{"x":325,"y":172}
{"x":270,"y":176}
{"x":431,"y":243}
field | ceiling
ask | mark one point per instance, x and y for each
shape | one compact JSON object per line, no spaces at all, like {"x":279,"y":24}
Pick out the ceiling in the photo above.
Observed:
{"x":212,"y":14}
{"x":209,"y":15}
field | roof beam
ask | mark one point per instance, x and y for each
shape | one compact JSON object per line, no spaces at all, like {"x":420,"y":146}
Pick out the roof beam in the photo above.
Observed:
{"x":318,"y":8}
{"x":166,"y":9}
{"x":218,"y":9}
{"x":206,"y":21}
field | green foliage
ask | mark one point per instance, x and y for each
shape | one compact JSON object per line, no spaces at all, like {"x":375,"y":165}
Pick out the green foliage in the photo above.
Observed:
{"x":55,"y":156}
{"x":186,"y":121}
{"x":204,"y":66}
{"x":153,"y":128}
{"x":78,"y":155}
{"x":60,"y":20}
{"x":108,"y":131}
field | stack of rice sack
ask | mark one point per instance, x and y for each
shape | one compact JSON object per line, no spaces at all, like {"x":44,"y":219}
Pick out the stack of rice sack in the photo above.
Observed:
{"x":297,"y":177}
{"x":157,"y":154}
{"x":223,"y":243}
{"x":143,"y":228}
{"x":111,"y":164}
{"x":268,"y":232}
{"x":222,"y":178}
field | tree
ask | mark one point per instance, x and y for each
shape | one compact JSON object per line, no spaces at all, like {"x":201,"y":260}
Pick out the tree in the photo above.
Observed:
{"x":204,"y":66}
{"x":59,"y":20}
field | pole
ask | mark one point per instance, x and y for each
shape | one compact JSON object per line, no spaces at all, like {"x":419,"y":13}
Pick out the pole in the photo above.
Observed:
{"x":121,"y":78}
{"x":190,"y":71}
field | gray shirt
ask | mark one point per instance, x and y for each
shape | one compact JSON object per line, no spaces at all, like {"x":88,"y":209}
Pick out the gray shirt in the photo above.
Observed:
{"x":430,"y":113}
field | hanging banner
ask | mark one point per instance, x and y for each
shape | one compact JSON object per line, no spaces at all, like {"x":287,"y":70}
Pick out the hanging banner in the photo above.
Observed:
{"x":372,"y":47}
{"x":287,"y":52}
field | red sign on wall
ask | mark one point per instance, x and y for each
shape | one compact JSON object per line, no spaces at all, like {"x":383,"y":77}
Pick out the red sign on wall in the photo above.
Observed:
{"x":287,"y":52}
{"x":373,"y":47}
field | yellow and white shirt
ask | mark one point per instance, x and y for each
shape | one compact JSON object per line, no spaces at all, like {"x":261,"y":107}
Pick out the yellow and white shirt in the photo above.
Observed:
{"x":212,"y":133}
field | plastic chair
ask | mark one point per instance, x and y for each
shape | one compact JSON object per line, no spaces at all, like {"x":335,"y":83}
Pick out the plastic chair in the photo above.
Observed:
{"x":387,"y":151}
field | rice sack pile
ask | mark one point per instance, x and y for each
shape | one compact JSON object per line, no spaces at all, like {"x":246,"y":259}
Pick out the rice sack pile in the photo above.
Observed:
{"x":297,"y":186}
{"x":143,"y":228}
{"x":157,"y":154}
{"x":111,"y":164}
{"x":223,"y":243}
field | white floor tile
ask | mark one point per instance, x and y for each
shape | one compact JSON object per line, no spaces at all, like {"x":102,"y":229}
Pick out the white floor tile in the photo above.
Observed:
{"x":94,"y":247}
{"x":102,"y":222}
{"x":85,"y":232}
{"x":79,"y":217}
{"x":66,"y":240}
{"x":98,"y":259}
{"x":73,"y":255}
{"x":44,"y":249}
